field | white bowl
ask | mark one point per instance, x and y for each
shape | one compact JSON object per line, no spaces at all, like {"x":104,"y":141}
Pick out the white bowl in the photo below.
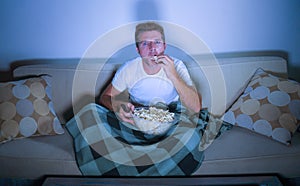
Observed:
{"x":157,"y":125}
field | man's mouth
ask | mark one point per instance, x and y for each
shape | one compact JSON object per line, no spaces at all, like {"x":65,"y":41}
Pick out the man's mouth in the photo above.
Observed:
{"x":154,"y":58}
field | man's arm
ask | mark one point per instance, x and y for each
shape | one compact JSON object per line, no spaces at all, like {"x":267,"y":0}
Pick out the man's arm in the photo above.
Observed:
{"x":113,"y":99}
{"x":107,"y":95}
{"x":188,"y":94}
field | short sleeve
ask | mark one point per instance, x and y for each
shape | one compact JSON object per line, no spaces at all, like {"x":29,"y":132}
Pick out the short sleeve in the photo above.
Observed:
{"x":123,"y":77}
{"x":183,"y":72}
{"x":119,"y":80}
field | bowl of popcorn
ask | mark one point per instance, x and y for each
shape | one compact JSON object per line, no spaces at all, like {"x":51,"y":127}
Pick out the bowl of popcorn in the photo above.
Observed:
{"x":152,"y":120}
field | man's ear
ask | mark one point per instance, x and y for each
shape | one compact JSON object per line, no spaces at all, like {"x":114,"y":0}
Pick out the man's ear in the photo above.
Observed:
{"x":137,"y":49}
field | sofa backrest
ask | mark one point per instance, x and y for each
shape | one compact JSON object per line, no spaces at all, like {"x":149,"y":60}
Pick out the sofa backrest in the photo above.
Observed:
{"x":77,"y":82}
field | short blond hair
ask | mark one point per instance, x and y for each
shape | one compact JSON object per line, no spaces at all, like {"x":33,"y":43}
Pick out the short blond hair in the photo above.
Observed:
{"x":148,"y":26}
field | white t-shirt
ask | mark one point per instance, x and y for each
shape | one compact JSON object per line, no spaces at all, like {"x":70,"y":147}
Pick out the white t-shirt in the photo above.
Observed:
{"x":148,"y":89}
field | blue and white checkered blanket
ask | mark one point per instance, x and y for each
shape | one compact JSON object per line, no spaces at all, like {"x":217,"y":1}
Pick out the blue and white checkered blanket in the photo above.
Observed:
{"x":105,"y":146}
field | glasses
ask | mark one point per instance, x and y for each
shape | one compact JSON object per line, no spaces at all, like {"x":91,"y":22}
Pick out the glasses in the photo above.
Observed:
{"x":156,"y":43}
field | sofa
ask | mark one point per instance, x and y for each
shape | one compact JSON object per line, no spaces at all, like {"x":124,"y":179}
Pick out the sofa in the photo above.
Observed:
{"x":77,"y":82}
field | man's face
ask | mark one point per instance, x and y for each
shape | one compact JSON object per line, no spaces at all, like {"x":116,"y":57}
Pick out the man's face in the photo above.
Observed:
{"x":150,"y":44}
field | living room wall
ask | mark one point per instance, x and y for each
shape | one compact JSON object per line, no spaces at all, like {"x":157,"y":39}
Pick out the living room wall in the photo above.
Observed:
{"x":66,"y":28}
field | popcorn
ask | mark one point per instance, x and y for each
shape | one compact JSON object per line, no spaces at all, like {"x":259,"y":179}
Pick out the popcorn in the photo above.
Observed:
{"x":155,"y":59}
{"x":153,"y":120}
{"x":155,"y":114}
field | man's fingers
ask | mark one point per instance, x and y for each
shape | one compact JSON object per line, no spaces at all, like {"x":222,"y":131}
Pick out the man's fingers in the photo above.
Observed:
{"x":125,"y":108}
{"x":164,"y":59}
{"x":127,"y":120}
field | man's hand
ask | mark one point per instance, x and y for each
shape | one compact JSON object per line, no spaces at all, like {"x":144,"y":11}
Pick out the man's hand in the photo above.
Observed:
{"x":167,"y":64}
{"x":125,"y":111}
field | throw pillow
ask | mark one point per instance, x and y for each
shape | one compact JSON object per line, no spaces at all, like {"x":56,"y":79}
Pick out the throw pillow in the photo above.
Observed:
{"x":26,"y":109}
{"x":269,"y":105}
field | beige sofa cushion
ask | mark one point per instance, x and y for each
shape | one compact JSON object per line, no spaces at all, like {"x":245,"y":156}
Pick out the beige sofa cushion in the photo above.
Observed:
{"x":252,"y":154}
{"x":240,"y":151}
{"x":34,"y":157}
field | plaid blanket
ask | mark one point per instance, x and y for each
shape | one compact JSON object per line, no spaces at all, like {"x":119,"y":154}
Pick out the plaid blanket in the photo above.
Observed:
{"x":105,"y":146}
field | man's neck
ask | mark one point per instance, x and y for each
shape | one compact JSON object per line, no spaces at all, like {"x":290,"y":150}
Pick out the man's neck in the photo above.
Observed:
{"x":150,"y":68}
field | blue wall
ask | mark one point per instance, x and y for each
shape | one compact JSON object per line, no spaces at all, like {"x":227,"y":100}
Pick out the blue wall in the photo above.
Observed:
{"x":66,"y":28}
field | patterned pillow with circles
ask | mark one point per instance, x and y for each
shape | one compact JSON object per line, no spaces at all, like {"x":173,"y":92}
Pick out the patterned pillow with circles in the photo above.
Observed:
{"x":270,"y":105}
{"x":26,"y":109}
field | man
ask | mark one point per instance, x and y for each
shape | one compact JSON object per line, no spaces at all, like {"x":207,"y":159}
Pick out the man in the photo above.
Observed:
{"x":153,"y":77}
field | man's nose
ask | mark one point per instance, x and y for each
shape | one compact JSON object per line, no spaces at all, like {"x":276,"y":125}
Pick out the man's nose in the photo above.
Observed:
{"x":151,"y":45}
